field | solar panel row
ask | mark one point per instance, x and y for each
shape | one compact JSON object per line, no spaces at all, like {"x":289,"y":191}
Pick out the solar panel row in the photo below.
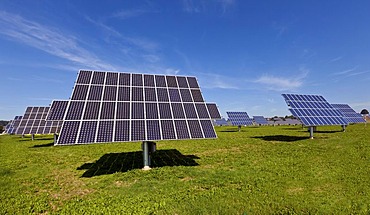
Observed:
{"x":349,"y":115}
{"x":260,"y":120}
{"x":313,"y":110}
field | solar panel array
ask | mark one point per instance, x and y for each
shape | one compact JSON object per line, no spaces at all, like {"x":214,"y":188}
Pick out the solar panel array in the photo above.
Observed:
{"x":313,"y":110}
{"x":11,"y":127}
{"x":239,"y":118}
{"x":220,"y":122}
{"x":260,"y":120}
{"x":349,"y":115}
{"x":119,"y":107}
{"x":33,"y":122}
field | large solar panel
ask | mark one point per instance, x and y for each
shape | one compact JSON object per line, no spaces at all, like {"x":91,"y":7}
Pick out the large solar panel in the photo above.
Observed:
{"x":34,"y":122}
{"x":313,"y":110}
{"x":260,"y":120}
{"x":349,"y":115}
{"x":239,"y":118}
{"x":120,"y":107}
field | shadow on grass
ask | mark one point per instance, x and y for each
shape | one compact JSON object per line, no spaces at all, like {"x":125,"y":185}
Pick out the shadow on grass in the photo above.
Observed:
{"x":282,"y":138}
{"x":43,"y":145}
{"x":126,"y":161}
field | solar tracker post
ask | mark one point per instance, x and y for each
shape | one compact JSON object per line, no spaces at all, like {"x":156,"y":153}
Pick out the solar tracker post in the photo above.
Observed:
{"x":32,"y":137}
{"x":148,"y":147}
{"x":311,"y":132}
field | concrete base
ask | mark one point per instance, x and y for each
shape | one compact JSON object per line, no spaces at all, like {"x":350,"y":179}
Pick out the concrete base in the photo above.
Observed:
{"x":146,"y":168}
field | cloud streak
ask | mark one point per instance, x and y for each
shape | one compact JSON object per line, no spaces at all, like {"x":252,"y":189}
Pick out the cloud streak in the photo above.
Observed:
{"x":49,"y":40}
{"x":283,"y":83}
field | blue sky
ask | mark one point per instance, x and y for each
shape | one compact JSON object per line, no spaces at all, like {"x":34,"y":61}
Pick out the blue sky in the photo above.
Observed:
{"x":244,"y":53}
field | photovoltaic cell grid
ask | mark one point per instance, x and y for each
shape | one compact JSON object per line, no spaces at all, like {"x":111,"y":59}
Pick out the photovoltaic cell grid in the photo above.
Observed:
{"x":260,"y":120}
{"x":11,"y":127}
{"x":349,"y":115}
{"x":220,"y":122}
{"x":119,"y":107}
{"x":57,"y":110}
{"x":239,"y":118}
{"x":313,"y":110}
{"x":33,"y":122}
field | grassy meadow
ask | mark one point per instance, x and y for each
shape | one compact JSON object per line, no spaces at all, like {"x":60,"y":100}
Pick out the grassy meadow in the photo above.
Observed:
{"x":260,"y":170}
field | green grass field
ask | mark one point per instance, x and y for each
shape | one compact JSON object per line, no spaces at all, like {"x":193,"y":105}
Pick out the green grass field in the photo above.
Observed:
{"x":260,"y":170}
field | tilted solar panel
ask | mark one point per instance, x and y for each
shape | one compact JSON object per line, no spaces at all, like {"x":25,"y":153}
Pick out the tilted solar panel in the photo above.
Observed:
{"x":34,"y":122}
{"x":12,"y":126}
{"x":220,"y":122}
{"x":349,"y":115}
{"x":121,"y":107}
{"x":239,"y":118}
{"x":313,"y":110}
{"x":260,"y":120}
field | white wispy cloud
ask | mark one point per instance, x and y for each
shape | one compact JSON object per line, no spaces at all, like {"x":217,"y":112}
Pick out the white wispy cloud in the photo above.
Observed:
{"x":48,"y":39}
{"x":336,"y":59}
{"x":126,"y":14}
{"x":210,"y":80}
{"x":275,"y":83}
{"x":346,"y":72}
{"x":199,"y":6}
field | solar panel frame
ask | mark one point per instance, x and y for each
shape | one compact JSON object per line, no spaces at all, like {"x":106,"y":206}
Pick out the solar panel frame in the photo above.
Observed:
{"x":349,"y":115}
{"x":239,"y":118}
{"x":260,"y":120}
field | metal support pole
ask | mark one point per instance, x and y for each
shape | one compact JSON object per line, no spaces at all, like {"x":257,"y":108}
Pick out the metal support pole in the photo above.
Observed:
{"x":311,"y":132}
{"x":239,"y":128}
{"x":33,"y":137}
{"x":344,"y":128}
{"x":146,"y":156}
{"x":55,"y":139}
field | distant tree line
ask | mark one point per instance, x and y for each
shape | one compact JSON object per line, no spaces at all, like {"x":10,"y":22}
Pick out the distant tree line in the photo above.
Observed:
{"x":3,"y":122}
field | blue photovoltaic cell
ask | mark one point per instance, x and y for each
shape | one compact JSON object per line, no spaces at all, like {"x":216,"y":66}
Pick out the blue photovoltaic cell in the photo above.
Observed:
{"x":193,"y":83}
{"x":150,"y":95}
{"x":202,"y":111}
{"x":137,"y":94}
{"x":162,"y":94}
{"x":105,"y":132}
{"x":149,"y":80}
{"x":123,"y":110}
{"x":124,"y":94}
{"x":182,"y":130}
{"x":57,"y":110}
{"x":107,"y":110}
{"x":168,"y":132}
{"x":98,"y":78}
{"x":213,"y":111}
{"x":349,"y":115}
{"x":84,"y":77}
{"x":80,"y":92}
{"x":174,"y":95}
{"x":178,"y":111}
{"x":195,"y":129}
{"x":221,"y":122}
{"x":197,"y":95}
{"x":88,"y":132}
{"x":110,"y":93}
{"x":171,"y":81}
{"x":160,"y":81}
{"x":137,"y":80}
{"x":190,"y":111}
{"x":207,"y":128}
{"x":260,"y":120}
{"x":186,"y":95}
{"x":95,"y":93}
{"x":111,"y":79}
{"x":137,"y":130}
{"x":137,"y":111}
{"x":182,"y":82}
{"x":93,"y":110}
{"x":124,"y":79}
{"x":75,"y":110}
{"x":151,"y":111}
{"x":122,"y":133}
{"x":165,"y":111}
{"x":313,"y":110}
{"x":239,"y":118}
{"x":69,"y":132}
{"x":153,"y":130}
